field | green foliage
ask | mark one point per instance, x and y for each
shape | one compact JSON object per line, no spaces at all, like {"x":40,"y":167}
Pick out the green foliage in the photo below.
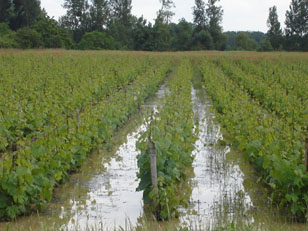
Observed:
{"x":165,"y":14}
{"x":208,"y":31}
{"x":215,"y":14}
{"x":161,"y":35}
{"x":7,"y":42}
{"x":114,"y":18}
{"x":200,"y":17}
{"x":77,"y":19}
{"x":4,"y":29}
{"x":7,"y":39}
{"x":121,"y":25}
{"x":28,"y":38}
{"x":202,"y":41}
{"x":274,"y":33}
{"x":6,"y":11}
{"x":261,"y":111}
{"x":26,"y":13}
{"x":265,"y":45}
{"x":52,"y":35}
{"x":297,"y":26}
{"x":257,"y":36}
{"x":142,"y":35}
{"x":99,"y":14}
{"x":296,"y":18}
{"x":44,"y":93}
{"x":181,"y":36}
{"x":121,"y":35}
{"x":243,"y":42}
{"x":96,"y":41}
{"x":172,"y":132}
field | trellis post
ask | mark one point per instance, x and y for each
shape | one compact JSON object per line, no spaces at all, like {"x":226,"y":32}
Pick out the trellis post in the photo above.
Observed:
{"x":306,"y":153}
{"x":153,"y":165}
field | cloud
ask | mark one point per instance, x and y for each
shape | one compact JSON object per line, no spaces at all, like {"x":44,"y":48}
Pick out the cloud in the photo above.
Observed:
{"x":251,"y":14}
{"x":53,"y":7}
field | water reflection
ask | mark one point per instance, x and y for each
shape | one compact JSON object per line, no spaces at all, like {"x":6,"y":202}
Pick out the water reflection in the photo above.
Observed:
{"x":103,"y":194}
{"x":112,"y":196}
{"x":219,"y":195}
{"x":112,"y":200}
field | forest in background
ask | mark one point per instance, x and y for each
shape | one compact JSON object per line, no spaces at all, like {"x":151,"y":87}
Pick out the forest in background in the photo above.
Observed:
{"x":110,"y":24}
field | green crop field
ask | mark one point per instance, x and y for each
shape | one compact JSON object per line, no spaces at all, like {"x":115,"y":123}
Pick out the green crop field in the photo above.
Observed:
{"x":56,"y":107}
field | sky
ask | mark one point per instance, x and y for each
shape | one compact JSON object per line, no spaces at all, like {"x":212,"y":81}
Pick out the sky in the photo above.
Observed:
{"x":239,"y":15}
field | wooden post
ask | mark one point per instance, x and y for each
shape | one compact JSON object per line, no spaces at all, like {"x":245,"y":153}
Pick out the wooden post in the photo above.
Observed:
{"x":153,"y":166}
{"x":78,"y":118}
{"x":306,"y":153}
{"x":14,"y":154}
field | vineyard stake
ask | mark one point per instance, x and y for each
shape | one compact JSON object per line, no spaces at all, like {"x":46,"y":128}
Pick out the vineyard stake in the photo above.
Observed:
{"x":306,"y":153}
{"x":78,"y":118}
{"x":153,"y":166}
{"x":14,"y":156}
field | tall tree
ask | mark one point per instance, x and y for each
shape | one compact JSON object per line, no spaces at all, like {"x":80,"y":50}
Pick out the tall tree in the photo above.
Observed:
{"x":181,"y":35}
{"x":142,"y":35}
{"x":274,"y":33}
{"x":99,"y":14}
{"x":120,"y":26}
{"x":297,"y":25}
{"x":297,"y":18}
{"x":200,"y":17}
{"x":201,"y":38}
{"x":26,"y":13}
{"x":77,"y":19}
{"x":6,"y":10}
{"x":214,"y":14}
{"x":161,"y":35}
{"x":165,"y":12}
{"x":122,"y":10}
{"x":161,"y":31}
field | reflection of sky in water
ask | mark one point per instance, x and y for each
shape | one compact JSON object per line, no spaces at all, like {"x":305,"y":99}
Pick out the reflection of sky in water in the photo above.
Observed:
{"x":103,"y":195}
{"x":112,"y":199}
{"x":218,"y":194}
{"x":112,"y":196}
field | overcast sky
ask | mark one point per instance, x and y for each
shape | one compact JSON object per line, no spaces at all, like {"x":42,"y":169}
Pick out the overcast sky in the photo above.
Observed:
{"x":238,"y":14}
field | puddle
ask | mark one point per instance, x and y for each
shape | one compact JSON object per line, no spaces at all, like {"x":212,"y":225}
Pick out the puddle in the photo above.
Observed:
{"x":112,"y":200}
{"x":225,"y":190}
{"x":218,"y":196}
{"x":112,"y":196}
{"x":103,"y":194}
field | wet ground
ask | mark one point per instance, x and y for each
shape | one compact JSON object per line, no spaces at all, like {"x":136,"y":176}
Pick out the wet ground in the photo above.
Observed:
{"x":218,"y":195}
{"x":103,"y":195}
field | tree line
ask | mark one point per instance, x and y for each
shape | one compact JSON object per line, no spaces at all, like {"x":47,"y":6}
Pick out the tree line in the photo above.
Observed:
{"x":295,"y":35}
{"x":110,"y":24}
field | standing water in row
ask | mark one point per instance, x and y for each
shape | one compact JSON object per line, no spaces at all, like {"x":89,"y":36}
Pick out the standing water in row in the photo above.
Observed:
{"x":225,"y":192}
{"x":218,"y":195}
{"x":112,"y":200}
{"x":102,"y":196}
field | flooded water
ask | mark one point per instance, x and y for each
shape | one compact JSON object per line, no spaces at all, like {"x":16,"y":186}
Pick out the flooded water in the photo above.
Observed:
{"x":103,"y":195}
{"x":218,"y":195}
{"x":112,"y":200}
{"x":112,"y":196}
{"x":225,"y":190}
